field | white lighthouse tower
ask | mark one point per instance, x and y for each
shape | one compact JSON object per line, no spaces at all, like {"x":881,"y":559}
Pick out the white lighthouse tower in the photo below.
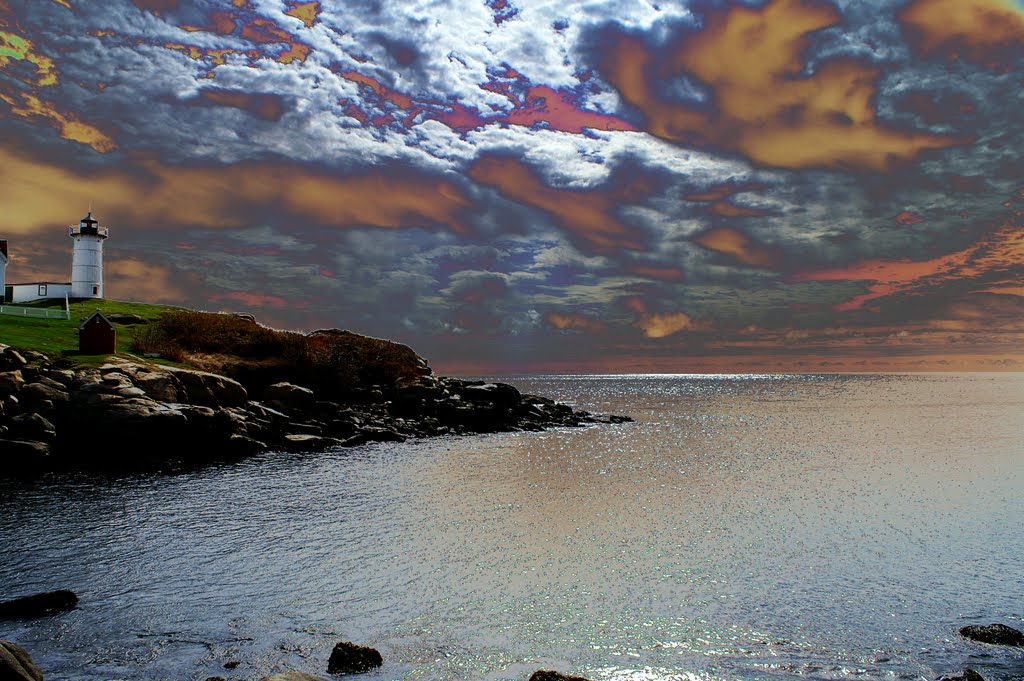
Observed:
{"x":87,"y":258}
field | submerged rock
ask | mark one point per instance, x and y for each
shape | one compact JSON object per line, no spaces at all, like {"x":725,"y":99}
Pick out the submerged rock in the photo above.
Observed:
{"x":38,"y":605}
{"x":966,"y":675}
{"x":16,"y":665}
{"x":547,"y":675}
{"x":350,"y":658}
{"x":996,"y":634}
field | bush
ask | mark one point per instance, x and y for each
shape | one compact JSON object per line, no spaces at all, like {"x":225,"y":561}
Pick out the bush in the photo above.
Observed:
{"x":337,"y":362}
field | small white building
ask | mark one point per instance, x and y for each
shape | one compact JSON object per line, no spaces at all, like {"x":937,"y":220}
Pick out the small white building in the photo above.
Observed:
{"x":86,"y":268}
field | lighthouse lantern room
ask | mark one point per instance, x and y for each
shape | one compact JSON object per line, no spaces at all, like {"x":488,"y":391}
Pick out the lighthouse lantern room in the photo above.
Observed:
{"x":87,"y":258}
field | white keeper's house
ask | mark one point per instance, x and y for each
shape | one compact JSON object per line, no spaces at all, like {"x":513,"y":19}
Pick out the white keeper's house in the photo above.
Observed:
{"x":86,"y":268}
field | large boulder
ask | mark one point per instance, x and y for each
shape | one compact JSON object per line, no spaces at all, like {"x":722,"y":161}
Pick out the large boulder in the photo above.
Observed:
{"x":34,"y":394}
{"x":38,"y":605}
{"x":498,"y":394}
{"x":350,"y":658}
{"x":16,"y":665}
{"x":547,"y":675}
{"x":290,"y":396}
{"x":11,"y":382}
{"x":996,"y":634}
{"x":210,"y":390}
{"x":11,"y":359}
{"x":19,"y":457}
{"x":33,"y":427}
{"x":966,"y":675}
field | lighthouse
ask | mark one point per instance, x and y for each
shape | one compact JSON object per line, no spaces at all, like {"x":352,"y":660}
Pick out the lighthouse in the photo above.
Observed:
{"x":87,"y":258}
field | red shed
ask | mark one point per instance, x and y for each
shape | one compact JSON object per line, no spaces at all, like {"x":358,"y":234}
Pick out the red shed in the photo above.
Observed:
{"x":97,"y":336}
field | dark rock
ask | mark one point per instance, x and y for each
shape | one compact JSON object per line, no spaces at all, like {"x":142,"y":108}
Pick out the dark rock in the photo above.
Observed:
{"x":33,"y":427}
{"x":33,"y":357}
{"x":35,"y":393}
{"x":12,"y":405}
{"x":11,"y":359}
{"x":11,"y":382}
{"x":349,"y":658}
{"x":966,"y":675}
{"x":292,"y":676}
{"x":16,"y":665}
{"x":996,"y":634}
{"x":22,"y":457}
{"x":38,"y":605}
{"x":290,"y":396}
{"x":239,"y":446}
{"x":215,"y":678}
{"x":210,"y":390}
{"x":500,"y":394}
{"x":547,"y":675}
{"x":309,"y":443}
{"x":231,"y":664}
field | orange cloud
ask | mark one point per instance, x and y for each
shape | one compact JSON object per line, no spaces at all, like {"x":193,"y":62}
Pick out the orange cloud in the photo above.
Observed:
{"x":306,"y":12}
{"x":266,"y":106}
{"x":132,"y":279}
{"x":739,"y":246}
{"x":589,"y":216}
{"x":28,"y":104}
{"x":668,"y":324}
{"x":657,"y":273}
{"x":255,"y":299}
{"x":150,"y":194}
{"x":1001,"y":255}
{"x":30,"y":108}
{"x":985,"y":32}
{"x":763,"y":107}
{"x":575,"y":322}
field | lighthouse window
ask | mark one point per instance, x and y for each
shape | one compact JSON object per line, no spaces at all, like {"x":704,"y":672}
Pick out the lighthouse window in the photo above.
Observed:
{"x":42,"y":289}
{"x":95,"y":290}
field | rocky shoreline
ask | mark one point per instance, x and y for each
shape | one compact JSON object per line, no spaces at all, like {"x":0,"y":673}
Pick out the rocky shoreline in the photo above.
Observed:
{"x":349,"y":658}
{"x":133,"y":414}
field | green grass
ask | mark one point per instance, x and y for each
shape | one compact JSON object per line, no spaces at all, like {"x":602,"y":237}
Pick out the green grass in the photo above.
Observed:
{"x":57,"y":337}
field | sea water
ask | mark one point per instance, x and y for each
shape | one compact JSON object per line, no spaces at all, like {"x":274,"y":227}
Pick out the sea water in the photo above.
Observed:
{"x":745,"y":527}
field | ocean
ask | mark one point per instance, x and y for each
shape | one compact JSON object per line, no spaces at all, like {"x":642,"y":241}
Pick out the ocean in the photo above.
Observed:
{"x":744,"y":527}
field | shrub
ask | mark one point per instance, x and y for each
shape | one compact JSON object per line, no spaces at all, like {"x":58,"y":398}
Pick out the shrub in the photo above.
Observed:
{"x":332,"y":361}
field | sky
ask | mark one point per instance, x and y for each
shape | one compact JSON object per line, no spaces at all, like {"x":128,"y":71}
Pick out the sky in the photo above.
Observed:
{"x":535,"y":186}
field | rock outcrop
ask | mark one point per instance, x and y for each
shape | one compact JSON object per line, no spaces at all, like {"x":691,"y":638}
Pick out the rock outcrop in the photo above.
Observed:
{"x":131,"y":414}
{"x":965,"y":675}
{"x":995,"y":634}
{"x":350,"y":658}
{"x":16,"y":665}
{"x":38,"y":605}
{"x":546,"y":675}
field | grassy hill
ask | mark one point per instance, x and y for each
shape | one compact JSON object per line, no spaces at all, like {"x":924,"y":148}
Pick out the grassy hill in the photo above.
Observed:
{"x":337,"y":362}
{"x":56,"y":337}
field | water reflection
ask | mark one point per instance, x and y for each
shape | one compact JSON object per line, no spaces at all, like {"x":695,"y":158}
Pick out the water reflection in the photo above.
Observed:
{"x":745,"y":527}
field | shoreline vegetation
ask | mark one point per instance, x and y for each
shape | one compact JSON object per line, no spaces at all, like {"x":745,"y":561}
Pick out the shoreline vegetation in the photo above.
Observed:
{"x":187,"y":387}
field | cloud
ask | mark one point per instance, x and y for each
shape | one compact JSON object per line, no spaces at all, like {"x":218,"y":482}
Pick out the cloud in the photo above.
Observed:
{"x":571,"y":321}
{"x":764,"y":100}
{"x":986,"y":32}
{"x":662,"y":325}
{"x":589,"y":217}
{"x":148,"y":195}
{"x":743,"y":249}
{"x":998,"y":258}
